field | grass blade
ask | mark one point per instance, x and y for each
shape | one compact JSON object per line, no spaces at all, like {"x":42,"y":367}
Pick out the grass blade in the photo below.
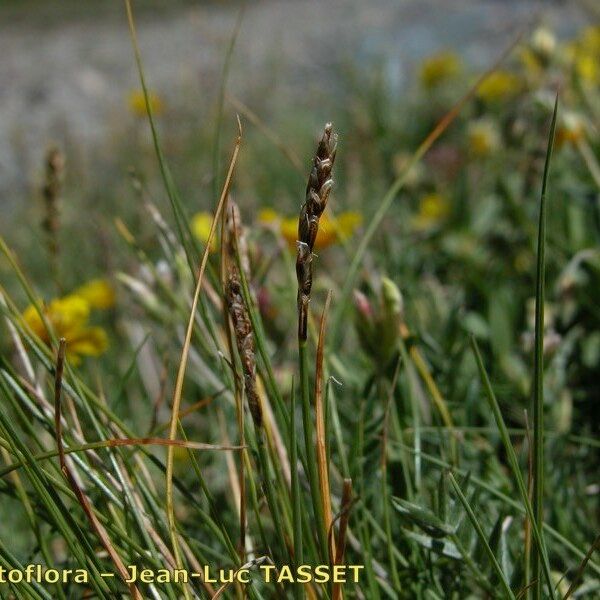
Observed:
{"x":514,"y":465}
{"x":185,"y":352}
{"x":538,"y":378}
{"x":482,"y":537}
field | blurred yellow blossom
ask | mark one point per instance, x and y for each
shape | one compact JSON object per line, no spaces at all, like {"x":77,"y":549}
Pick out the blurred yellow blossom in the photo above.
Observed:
{"x":69,"y":317}
{"x":483,"y":137}
{"x":499,"y":86}
{"x":587,"y":67}
{"x":570,"y":130}
{"x":590,"y":38}
{"x":530,"y":61}
{"x":137,"y":103}
{"x":201,"y":224}
{"x":433,"y":209}
{"x":439,"y":68}
{"x":583,"y":53}
{"x":331,"y":230}
{"x":98,"y":292}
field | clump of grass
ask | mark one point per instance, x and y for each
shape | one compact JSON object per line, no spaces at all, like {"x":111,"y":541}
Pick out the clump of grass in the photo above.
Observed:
{"x":375,"y":482}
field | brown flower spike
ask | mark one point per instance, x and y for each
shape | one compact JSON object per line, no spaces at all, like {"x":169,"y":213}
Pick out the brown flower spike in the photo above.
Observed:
{"x":242,"y":326}
{"x":317,"y":194}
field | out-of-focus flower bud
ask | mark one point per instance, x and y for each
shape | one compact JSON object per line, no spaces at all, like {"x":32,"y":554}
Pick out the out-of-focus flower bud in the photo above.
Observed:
{"x":378,"y":327}
{"x":543,"y":42}
{"x":363,"y":305}
{"x":483,"y":137}
{"x":392,"y":298}
{"x":571,"y":130}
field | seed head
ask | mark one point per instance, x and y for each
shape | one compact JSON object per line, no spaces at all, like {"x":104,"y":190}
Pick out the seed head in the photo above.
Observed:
{"x":317,"y":194}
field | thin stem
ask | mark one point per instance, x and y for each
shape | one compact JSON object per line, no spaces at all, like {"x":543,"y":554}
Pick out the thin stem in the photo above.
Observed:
{"x":311,"y":455}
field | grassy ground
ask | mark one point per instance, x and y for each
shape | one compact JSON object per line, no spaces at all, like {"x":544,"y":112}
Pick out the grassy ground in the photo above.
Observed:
{"x":438,"y":424}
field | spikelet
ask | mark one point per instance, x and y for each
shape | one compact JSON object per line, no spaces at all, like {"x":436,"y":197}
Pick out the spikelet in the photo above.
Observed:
{"x":242,"y":326}
{"x":55,"y":164}
{"x":51,"y":190}
{"x":317,"y":194}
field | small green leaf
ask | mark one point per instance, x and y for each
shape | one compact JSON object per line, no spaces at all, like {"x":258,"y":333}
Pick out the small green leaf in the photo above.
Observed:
{"x":423,"y":518}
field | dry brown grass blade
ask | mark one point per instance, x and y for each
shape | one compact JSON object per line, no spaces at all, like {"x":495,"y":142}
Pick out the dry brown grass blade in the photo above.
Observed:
{"x":186,"y":347}
{"x":153,"y":441}
{"x":344,"y":517}
{"x":190,"y":410}
{"x":321,"y":441}
{"x":64,"y":467}
{"x":595,"y":546}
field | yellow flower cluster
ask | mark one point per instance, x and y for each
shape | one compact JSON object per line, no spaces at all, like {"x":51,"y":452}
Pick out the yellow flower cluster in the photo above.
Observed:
{"x":200,"y":225}
{"x":499,"y":86}
{"x":585,"y":56}
{"x":137,"y":103}
{"x":483,"y":137}
{"x":434,"y":208}
{"x":69,"y":317}
{"x":439,"y":68}
{"x":331,"y":229}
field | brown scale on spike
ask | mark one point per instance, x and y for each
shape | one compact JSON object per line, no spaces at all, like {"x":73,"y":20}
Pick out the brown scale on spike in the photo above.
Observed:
{"x":317,"y":194}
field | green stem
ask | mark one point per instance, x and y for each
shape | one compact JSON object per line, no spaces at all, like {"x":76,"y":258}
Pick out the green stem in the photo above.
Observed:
{"x":296,"y":513}
{"x":538,"y":380}
{"x":311,"y":456}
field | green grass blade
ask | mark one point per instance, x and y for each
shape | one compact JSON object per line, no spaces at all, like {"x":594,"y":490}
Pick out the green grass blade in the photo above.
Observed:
{"x":482,"y":537}
{"x":514,"y":464}
{"x":181,"y":221}
{"x":538,"y":378}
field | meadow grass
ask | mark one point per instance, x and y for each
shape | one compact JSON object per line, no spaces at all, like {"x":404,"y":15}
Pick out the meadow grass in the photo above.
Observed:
{"x":393,"y":434}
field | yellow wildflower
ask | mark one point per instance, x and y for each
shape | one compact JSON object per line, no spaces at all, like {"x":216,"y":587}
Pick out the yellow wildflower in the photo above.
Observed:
{"x":69,"y":316}
{"x":201,"y":223}
{"x":587,"y":67}
{"x":439,"y":68}
{"x":433,"y":209}
{"x":583,"y":54}
{"x":98,"y":292}
{"x":331,"y":230}
{"x":483,"y":137}
{"x":590,"y":38}
{"x":137,"y":103}
{"x":90,"y":341}
{"x":499,"y":86}
{"x":530,"y":62}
